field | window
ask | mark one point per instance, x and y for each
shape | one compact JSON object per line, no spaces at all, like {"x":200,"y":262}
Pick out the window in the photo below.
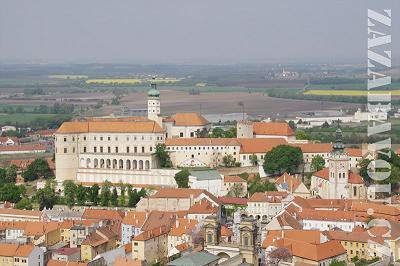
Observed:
{"x":127,"y":149}
{"x":84,"y":137}
{"x":142,"y":149}
{"x":192,"y":134}
{"x":95,"y":149}
{"x":101,"y":149}
{"x":65,"y":150}
{"x":65,"y":139}
{"x":181,"y":134}
{"x":84,"y":149}
{"x":116,"y":149}
{"x":109,"y":138}
{"x":109,"y":149}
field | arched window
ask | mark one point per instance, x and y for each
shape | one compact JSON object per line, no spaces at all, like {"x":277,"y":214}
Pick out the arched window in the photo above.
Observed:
{"x":88,"y":163}
{"x":147,"y":165}
{"x":121,"y":164}
{"x":114,"y":165}
{"x":108,"y":163}
{"x":140,"y":165}
{"x":101,"y":163}
{"x":128,"y":164}
{"x":83,"y":165}
{"x":95,"y":163}
{"x":134,"y":164}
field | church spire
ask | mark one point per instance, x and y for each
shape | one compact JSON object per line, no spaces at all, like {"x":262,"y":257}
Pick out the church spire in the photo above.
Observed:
{"x":338,"y":146}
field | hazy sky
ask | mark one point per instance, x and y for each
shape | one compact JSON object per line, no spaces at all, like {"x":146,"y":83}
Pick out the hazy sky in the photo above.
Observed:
{"x":188,"y":31}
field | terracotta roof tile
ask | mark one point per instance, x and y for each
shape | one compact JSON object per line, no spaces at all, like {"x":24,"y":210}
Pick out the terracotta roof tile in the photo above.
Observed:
{"x":232,"y":201}
{"x":272,"y":128}
{"x":202,"y":142}
{"x":110,"y":126}
{"x":259,"y":145}
{"x":182,"y":226}
{"x":269,"y":196}
{"x":188,"y":119}
{"x":234,"y":179}
{"x":203,"y":207}
{"x":147,"y":235}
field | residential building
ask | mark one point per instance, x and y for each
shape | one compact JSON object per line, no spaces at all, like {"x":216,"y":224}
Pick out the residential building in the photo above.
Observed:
{"x":235,"y":186}
{"x":210,"y":180}
{"x":248,"y":129}
{"x":21,"y":255}
{"x":175,"y":199}
{"x":97,"y":242}
{"x":19,"y":215}
{"x":151,"y":246}
{"x":293,"y":185}
{"x":263,"y":206}
{"x":182,"y":231}
{"x":201,"y":258}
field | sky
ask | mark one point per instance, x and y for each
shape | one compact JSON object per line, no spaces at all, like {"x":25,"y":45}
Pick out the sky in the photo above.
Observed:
{"x":189,"y":31}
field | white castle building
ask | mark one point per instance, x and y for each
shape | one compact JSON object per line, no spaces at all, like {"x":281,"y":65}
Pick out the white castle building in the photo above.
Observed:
{"x":337,"y":181}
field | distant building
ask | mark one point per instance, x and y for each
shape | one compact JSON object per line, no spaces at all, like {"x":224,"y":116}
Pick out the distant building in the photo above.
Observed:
{"x":8,"y":128}
{"x":248,"y":129}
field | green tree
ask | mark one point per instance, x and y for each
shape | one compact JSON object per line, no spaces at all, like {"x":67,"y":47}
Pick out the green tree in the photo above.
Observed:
{"x":182,"y":178}
{"x":105,"y":194}
{"x":122,"y":195}
{"x":38,"y":168}
{"x":11,"y":174}
{"x":114,"y":197}
{"x":292,"y":124}
{"x":317,"y":163}
{"x":81,"y":195}
{"x":237,"y":190}
{"x":24,"y":204}
{"x":11,"y":192}
{"x":70,"y":191}
{"x":337,"y":263}
{"x":47,"y":197}
{"x":163,"y":156}
{"x":94,"y":194}
{"x":283,"y":158}
{"x":228,"y":160}
{"x":300,"y":134}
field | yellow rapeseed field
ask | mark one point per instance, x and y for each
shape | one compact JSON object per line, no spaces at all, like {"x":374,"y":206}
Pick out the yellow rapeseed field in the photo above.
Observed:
{"x":348,"y":92}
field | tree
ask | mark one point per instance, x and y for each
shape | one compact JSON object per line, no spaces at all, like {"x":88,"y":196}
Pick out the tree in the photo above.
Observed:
{"x":11,"y":174}
{"x":279,"y":254}
{"x":114,"y":197}
{"x":122,"y":196}
{"x":292,"y":124}
{"x":81,"y":195}
{"x":283,"y":158}
{"x":11,"y":192}
{"x":134,"y":196}
{"x":182,"y":178}
{"x":317,"y":163}
{"x":237,"y":190}
{"x":105,"y":194}
{"x":69,"y":192}
{"x":163,"y":156}
{"x":38,"y":168}
{"x":24,"y":204}
{"x":202,"y":133}
{"x":228,"y":160}
{"x":94,"y":194}
{"x":337,"y":263}
{"x":47,"y":197}
{"x":253,"y":159}
{"x":300,"y":134}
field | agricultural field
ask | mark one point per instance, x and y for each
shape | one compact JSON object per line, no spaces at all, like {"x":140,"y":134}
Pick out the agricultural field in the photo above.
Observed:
{"x":348,"y":92}
{"x":22,"y":118}
{"x":125,"y":81}
{"x":67,"y":76}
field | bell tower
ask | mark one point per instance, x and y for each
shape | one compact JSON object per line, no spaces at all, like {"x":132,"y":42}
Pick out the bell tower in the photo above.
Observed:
{"x":248,"y":240}
{"x":153,"y":102}
{"x":339,"y":168}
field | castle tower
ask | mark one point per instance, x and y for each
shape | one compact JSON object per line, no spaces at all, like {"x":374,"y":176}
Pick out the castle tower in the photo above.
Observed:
{"x":339,"y":167}
{"x":153,"y":102}
{"x":244,"y":129}
{"x":212,"y":230}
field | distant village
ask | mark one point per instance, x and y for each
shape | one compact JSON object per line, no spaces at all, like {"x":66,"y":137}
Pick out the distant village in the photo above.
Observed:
{"x":180,"y":190}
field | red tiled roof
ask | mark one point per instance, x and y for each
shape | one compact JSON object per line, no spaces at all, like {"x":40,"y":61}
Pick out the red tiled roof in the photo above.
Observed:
{"x":272,"y":128}
{"x":187,"y":119}
{"x":23,"y":148}
{"x":234,"y":179}
{"x":353,"y":177}
{"x":232,"y":201}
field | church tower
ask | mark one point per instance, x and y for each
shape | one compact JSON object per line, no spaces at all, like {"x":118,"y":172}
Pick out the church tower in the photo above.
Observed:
{"x":153,"y":102}
{"x":339,"y":167}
